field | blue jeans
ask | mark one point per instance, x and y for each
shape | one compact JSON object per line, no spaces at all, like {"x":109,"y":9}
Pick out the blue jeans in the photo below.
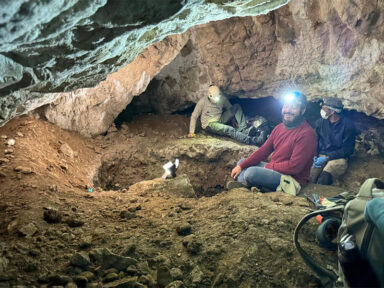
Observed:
{"x":258,"y":176}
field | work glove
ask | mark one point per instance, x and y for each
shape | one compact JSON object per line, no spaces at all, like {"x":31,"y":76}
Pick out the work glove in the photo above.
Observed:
{"x":319,"y":162}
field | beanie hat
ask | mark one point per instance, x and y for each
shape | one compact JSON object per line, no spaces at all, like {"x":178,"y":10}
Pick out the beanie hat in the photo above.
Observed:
{"x":334,"y":104}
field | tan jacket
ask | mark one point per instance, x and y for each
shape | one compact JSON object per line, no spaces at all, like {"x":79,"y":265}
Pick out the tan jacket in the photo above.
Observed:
{"x":209,"y":112}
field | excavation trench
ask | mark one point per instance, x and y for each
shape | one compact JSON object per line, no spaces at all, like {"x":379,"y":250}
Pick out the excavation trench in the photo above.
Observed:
{"x":207,"y":175}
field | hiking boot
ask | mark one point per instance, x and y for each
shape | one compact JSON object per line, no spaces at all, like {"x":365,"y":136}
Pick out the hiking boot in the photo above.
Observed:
{"x":235,"y":184}
{"x":251,"y":131}
{"x":254,"y":141}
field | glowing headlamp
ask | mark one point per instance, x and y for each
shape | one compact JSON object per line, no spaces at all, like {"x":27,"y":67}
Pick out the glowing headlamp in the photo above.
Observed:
{"x":291,"y":97}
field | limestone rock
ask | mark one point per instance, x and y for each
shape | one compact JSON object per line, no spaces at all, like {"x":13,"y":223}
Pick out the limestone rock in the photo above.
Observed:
{"x":66,"y":150}
{"x":110,"y":260}
{"x":24,"y":170}
{"x":28,"y":230}
{"x":80,"y":259}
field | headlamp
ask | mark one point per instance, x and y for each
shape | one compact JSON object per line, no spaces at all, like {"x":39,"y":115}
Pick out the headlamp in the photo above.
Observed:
{"x":292,"y":97}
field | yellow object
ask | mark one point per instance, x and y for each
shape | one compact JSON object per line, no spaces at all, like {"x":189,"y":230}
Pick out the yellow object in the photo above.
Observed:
{"x":289,"y":185}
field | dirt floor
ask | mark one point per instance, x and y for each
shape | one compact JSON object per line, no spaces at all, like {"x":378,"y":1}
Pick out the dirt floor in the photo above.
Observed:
{"x":82,"y":212}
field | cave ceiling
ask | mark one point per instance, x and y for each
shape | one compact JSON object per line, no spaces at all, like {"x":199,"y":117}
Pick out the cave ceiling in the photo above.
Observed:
{"x":63,"y":45}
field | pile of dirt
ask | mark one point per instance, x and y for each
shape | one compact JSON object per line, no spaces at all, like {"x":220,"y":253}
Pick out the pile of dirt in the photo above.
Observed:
{"x":76,"y":212}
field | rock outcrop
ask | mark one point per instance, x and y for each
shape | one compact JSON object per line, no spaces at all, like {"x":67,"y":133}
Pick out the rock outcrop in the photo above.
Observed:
{"x":321,"y":48}
{"x":66,"y":45}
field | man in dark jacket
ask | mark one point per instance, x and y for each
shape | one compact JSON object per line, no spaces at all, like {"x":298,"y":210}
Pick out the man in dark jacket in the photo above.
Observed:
{"x":336,"y":141}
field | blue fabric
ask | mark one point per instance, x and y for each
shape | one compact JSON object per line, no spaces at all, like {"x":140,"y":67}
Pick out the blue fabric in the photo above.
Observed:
{"x":336,"y":140}
{"x":374,"y":213}
{"x":319,"y":162}
{"x":258,"y":176}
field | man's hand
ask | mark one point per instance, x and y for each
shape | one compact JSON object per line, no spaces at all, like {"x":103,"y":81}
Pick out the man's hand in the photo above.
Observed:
{"x":191,"y":135}
{"x":319,"y":162}
{"x":236,"y":172}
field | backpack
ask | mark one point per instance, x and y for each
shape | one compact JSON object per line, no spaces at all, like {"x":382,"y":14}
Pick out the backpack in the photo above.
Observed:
{"x":369,"y":244}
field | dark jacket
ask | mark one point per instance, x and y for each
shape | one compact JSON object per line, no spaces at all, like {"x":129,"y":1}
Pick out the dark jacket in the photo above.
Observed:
{"x":336,"y":140}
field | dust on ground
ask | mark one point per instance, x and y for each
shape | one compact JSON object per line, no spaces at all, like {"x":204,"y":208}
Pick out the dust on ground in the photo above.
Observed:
{"x":83,"y":212}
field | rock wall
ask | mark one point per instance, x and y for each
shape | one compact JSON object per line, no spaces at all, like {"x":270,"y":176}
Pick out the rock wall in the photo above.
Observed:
{"x":321,"y":48}
{"x":91,"y":111}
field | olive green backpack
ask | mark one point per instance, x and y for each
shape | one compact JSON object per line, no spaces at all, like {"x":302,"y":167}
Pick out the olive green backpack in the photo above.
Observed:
{"x":370,"y":243}
{"x":368,"y":239}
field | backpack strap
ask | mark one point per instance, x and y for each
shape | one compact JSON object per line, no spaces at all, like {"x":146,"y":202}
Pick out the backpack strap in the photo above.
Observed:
{"x":327,"y":277}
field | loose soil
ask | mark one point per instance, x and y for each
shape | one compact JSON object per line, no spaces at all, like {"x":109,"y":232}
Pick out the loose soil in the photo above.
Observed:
{"x":65,"y":198}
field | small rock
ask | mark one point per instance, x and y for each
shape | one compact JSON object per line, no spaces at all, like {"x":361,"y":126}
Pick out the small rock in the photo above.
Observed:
{"x":12,"y":226}
{"x":184,"y":229}
{"x":108,"y":259}
{"x":4,"y":160}
{"x":28,"y":230}
{"x":163,"y":276}
{"x":11,"y":142}
{"x":56,"y":280}
{"x":147,"y":280}
{"x":89,"y":275}
{"x":8,"y":151}
{"x":127,"y":215}
{"x":110,"y":277}
{"x":125,"y":282}
{"x":185,"y":206}
{"x":71,"y":285}
{"x":4,"y":137}
{"x":85,"y":243}
{"x":131,"y":270}
{"x":52,"y":215}
{"x":81,"y":281}
{"x":20,"y":134}
{"x":66,"y":150}
{"x":80,"y":259}
{"x":194,"y":246}
{"x":24,"y":170}
{"x":72,"y":222}
{"x":109,"y":271}
{"x":197,"y":275}
{"x":176,"y":274}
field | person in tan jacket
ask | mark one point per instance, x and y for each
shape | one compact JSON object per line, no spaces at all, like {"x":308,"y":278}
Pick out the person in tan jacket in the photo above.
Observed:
{"x":217,"y":113}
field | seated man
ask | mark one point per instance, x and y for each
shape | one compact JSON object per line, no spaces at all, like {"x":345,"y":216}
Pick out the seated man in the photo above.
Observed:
{"x":336,"y":135}
{"x":211,"y":107}
{"x":294,"y":144}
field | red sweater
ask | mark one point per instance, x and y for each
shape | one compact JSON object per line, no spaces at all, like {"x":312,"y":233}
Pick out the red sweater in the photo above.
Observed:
{"x":293,"y":152}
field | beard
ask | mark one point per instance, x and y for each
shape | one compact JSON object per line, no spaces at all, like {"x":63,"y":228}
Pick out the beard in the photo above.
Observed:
{"x":295,"y":122}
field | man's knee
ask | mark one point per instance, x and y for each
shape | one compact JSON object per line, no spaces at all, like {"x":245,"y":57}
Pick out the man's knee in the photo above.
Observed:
{"x":249,"y":177}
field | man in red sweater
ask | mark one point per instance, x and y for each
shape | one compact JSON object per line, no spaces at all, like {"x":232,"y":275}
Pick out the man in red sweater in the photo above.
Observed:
{"x":294,"y":144}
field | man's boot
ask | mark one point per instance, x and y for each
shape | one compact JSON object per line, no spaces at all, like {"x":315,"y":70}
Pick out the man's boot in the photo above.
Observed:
{"x":325,"y":178}
{"x":235,"y":184}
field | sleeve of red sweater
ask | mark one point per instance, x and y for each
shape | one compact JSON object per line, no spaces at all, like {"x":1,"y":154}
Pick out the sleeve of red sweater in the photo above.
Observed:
{"x":303,"y":151}
{"x":261,"y":154}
